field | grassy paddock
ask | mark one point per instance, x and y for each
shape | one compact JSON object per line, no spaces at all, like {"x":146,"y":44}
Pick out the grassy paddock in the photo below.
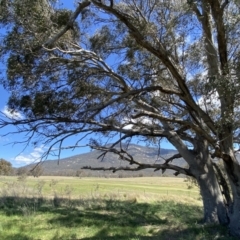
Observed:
{"x":78,"y":187}
{"x":93,"y":208}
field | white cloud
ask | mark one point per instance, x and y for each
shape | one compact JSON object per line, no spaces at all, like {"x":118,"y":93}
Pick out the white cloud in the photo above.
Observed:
{"x":23,"y":160}
{"x":35,"y":155}
{"x":11,"y":113}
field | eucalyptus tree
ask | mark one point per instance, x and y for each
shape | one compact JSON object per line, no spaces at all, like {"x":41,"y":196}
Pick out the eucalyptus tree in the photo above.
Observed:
{"x":132,"y":69}
{"x":5,"y":167}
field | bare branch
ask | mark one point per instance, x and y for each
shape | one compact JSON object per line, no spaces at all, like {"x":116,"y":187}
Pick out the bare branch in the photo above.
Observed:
{"x":124,"y":155}
{"x":176,"y":156}
{"x":121,"y":153}
{"x":157,"y":167}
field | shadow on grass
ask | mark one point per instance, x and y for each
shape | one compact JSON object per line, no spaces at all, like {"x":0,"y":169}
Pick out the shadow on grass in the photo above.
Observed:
{"x":18,"y":236}
{"x":111,"y":219}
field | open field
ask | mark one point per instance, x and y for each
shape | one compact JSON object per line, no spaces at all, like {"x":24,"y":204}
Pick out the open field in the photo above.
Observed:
{"x":93,"y":208}
{"x":85,"y":187}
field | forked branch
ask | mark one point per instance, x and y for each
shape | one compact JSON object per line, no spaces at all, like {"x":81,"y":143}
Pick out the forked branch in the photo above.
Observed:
{"x":140,"y":166}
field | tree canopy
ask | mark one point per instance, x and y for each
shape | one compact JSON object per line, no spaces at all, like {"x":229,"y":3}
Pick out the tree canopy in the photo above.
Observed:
{"x":132,"y":68}
{"x":5,"y":167}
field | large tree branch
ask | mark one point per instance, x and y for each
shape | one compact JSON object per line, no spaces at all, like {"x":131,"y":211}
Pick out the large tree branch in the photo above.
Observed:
{"x":152,"y":114}
{"x":160,"y":52}
{"x":217,"y":12}
{"x":140,"y":166}
{"x":69,"y":24}
{"x":211,"y":52}
{"x":157,"y":167}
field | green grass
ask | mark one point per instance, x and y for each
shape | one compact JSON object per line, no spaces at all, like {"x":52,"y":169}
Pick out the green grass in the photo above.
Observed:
{"x":87,"y":186}
{"x":102,"y":209}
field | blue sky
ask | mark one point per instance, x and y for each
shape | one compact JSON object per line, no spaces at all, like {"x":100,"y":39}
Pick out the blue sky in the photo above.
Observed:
{"x":18,"y":154}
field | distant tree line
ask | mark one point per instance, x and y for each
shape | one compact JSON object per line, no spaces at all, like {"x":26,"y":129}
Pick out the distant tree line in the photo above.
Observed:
{"x":5,"y":167}
{"x":37,"y":170}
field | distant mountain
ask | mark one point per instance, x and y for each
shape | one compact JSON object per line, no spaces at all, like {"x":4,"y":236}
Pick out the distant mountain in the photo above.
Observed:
{"x":70,"y":165}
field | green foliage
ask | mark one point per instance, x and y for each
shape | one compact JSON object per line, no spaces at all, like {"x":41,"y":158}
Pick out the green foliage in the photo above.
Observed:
{"x":61,"y":17}
{"x":191,"y":182}
{"x":5,"y":167}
